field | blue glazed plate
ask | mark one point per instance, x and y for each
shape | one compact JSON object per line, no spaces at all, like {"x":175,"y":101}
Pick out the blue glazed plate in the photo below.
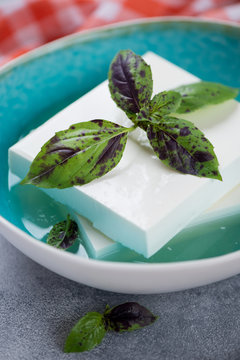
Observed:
{"x":37,"y":85}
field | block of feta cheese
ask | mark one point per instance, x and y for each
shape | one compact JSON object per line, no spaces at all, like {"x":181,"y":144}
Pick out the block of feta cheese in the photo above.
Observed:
{"x":228,"y":205}
{"x":142,"y":203}
{"x":98,"y":245}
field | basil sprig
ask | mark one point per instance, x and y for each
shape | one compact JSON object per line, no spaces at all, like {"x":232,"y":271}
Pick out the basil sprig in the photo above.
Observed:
{"x":91,"y":329}
{"x":64,"y":234}
{"x":89,"y":150}
{"x":78,"y":155}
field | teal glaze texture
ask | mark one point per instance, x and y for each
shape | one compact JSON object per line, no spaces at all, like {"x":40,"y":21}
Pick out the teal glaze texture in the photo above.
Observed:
{"x":39,"y":84}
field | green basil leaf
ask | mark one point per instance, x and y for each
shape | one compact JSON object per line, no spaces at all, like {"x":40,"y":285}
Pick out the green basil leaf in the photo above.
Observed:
{"x":183,"y":147}
{"x":130,"y":82}
{"x":86,"y":334}
{"x":63,"y":234}
{"x":203,"y":93}
{"x":128,"y":317}
{"x":162,"y":104}
{"x":78,"y":155}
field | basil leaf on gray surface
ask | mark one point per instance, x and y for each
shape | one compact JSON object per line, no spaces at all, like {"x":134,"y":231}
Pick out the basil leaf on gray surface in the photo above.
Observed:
{"x":91,"y":329}
{"x":203,"y":93}
{"x":128,"y":317}
{"x":183,"y":147}
{"x":86,"y":334}
{"x":63,"y":234}
{"x":78,"y":155}
{"x":130,"y":82}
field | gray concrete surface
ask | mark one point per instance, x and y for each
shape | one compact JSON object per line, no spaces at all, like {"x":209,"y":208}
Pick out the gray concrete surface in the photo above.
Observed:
{"x":38,"y":308}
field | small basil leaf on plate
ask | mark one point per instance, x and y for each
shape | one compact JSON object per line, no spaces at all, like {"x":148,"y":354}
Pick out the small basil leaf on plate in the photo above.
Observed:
{"x":203,"y":93}
{"x":86,"y":334}
{"x":165,"y":103}
{"x":183,"y":147}
{"x":63,"y":234}
{"x":130,"y":82}
{"x":128,"y":317}
{"x":162,"y":104}
{"x":78,"y":155}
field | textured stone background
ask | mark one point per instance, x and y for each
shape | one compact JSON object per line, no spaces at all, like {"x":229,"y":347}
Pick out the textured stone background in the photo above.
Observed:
{"x":38,"y":308}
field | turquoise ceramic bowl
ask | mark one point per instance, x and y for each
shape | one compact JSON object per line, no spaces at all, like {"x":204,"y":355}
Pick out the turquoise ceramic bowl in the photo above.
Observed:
{"x":37,"y":85}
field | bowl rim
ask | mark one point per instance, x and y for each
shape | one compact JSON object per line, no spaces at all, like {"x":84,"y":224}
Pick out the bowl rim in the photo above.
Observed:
{"x":67,"y":41}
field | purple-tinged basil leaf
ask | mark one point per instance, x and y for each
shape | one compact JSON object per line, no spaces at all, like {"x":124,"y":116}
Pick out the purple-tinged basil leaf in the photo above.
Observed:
{"x":183,"y":147}
{"x":63,"y":234}
{"x":86,"y":334}
{"x":78,"y":155}
{"x":162,"y":104}
{"x":203,"y":93}
{"x":128,"y":317}
{"x":130,"y":82}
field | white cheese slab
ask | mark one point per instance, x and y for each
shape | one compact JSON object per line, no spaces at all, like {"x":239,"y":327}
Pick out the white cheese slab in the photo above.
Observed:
{"x":228,"y":205}
{"x":99,"y":245}
{"x":141,"y":203}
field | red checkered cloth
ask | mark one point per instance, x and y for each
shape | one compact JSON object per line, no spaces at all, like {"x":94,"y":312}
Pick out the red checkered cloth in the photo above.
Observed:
{"x":26,"y":24}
